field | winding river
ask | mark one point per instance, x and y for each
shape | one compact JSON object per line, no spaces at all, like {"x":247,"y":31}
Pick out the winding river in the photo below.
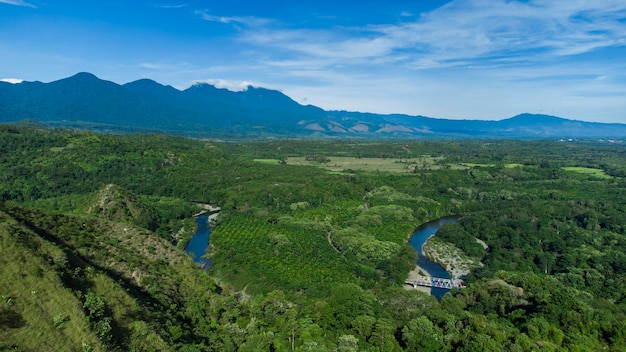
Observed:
{"x":200,"y":241}
{"x":417,"y":240}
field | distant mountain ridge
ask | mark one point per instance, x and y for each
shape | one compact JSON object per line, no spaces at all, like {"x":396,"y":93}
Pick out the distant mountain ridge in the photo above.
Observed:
{"x":202,"y":110}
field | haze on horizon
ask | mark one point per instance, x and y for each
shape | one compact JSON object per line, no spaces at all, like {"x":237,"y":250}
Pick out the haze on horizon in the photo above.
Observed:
{"x":460,"y":59}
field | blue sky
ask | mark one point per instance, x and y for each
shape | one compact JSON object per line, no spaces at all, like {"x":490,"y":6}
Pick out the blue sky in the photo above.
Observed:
{"x":460,"y":59}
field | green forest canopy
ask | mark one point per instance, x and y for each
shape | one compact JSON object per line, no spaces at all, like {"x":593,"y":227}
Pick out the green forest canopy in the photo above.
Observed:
{"x":98,"y":222}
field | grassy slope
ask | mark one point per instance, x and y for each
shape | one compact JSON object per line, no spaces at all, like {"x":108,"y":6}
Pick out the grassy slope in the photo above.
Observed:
{"x":51,"y":261}
{"x":33,"y":296}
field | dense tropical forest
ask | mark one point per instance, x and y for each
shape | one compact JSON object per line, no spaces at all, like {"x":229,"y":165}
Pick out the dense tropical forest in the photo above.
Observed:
{"x":310,"y":248}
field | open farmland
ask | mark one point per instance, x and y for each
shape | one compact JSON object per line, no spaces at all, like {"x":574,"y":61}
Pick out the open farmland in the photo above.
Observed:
{"x":589,"y":171}
{"x":345,"y":163}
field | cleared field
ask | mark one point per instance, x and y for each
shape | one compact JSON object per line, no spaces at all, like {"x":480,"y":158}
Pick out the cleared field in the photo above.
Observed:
{"x":340,"y":164}
{"x":507,"y":166}
{"x":343,"y":163}
{"x":589,"y":171}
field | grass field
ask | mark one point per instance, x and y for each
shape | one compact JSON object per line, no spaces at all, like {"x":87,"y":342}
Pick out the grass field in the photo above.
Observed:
{"x":507,"y":166}
{"x":589,"y":171}
{"x":339,"y":164}
{"x":342,"y":163}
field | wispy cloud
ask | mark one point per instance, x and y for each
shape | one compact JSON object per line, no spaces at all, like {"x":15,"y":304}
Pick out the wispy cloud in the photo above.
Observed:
{"x":482,"y":29}
{"x":518,"y":55}
{"x":172,"y":6}
{"x":18,"y":3}
{"x":164,"y":66}
{"x":462,"y":32}
{"x":245,"y":20}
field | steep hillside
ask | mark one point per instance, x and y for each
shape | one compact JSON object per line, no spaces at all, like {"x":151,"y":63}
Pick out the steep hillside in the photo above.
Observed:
{"x":117,"y":204}
{"x":73,"y":281}
{"x":37,"y":310}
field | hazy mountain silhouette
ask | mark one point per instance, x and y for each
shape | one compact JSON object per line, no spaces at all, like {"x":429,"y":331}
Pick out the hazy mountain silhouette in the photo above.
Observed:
{"x":202,"y":110}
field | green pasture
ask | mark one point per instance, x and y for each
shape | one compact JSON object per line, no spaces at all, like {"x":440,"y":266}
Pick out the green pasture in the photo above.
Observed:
{"x":393,"y":165}
{"x":589,"y":171}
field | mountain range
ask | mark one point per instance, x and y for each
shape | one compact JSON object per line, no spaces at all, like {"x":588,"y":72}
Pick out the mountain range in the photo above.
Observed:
{"x":204,"y":111}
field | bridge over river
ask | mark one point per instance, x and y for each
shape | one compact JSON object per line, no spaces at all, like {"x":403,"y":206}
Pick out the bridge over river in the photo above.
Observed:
{"x":438,"y":282}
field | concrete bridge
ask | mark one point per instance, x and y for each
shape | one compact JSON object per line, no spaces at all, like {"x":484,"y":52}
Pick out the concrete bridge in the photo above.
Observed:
{"x":437,"y":282}
{"x":206,"y":212}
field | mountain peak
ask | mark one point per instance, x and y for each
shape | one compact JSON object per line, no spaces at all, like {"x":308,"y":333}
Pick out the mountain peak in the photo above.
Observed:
{"x":84,"y":76}
{"x":527,"y":119}
{"x":84,"y":80}
{"x":534,"y":117}
{"x":204,"y":85}
{"x":205,"y":109}
{"x":144,"y":81}
{"x":148,"y":85}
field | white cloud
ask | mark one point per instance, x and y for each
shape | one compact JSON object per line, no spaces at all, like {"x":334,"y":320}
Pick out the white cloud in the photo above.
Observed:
{"x":11,"y":80}
{"x":18,"y":3}
{"x":462,"y":31}
{"x":234,"y":86}
{"x":164,"y":66}
{"x":175,"y":6}
{"x":246,"y":20}
{"x":482,"y":29}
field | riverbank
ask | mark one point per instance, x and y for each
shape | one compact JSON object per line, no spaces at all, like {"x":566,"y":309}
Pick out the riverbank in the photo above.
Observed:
{"x":423,"y":266}
{"x":456,"y":263}
{"x":413,"y":276}
{"x":199,"y":241}
{"x":213,"y":211}
{"x":208,"y":209}
{"x":186,"y":232}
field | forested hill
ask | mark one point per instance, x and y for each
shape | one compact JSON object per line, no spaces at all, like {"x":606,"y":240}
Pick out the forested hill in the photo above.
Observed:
{"x":85,"y":101}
